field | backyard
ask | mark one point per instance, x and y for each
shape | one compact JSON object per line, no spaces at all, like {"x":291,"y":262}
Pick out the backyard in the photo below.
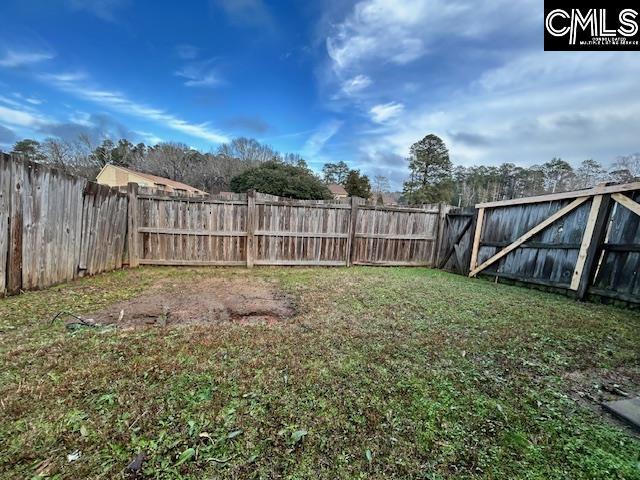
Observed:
{"x":313,"y":373}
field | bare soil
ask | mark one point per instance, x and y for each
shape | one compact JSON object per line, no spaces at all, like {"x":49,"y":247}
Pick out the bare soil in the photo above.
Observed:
{"x":244,"y":300}
{"x":593,"y":387}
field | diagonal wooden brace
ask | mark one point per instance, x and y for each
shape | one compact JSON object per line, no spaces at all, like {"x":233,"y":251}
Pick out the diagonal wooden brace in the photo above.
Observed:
{"x":537,"y":229}
{"x":627,"y":202}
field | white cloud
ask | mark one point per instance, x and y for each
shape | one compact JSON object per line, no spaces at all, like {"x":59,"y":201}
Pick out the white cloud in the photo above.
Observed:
{"x":527,"y":111}
{"x":30,"y":100}
{"x":151,"y":138}
{"x":200,"y":75}
{"x":77,"y":84}
{"x":377,"y":32}
{"x":21,"y":118}
{"x":316,"y":142}
{"x":20,"y":58}
{"x":356,"y":84}
{"x":386,"y":111}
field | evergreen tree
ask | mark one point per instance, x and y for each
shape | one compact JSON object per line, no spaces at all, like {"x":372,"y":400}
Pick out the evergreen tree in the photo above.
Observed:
{"x":431,"y":170}
{"x":357,"y":185}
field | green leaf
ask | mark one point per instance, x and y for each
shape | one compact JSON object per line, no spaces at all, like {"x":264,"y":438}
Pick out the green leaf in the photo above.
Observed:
{"x":298,"y":435}
{"x":369,"y":455}
{"x":185,"y":456}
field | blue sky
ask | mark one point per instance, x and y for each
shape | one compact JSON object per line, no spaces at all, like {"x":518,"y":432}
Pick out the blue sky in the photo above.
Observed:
{"x":332,"y":80}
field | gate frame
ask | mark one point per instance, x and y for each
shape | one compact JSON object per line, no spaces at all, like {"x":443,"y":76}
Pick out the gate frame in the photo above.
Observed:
{"x":592,"y":239}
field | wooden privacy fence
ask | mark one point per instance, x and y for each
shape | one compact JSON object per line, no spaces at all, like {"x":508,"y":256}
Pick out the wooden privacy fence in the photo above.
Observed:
{"x":587,"y":241}
{"x":55,"y":227}
{"x":260,"y":229}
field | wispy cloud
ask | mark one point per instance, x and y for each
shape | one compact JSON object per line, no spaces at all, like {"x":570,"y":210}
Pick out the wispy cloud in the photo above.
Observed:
{"x":386,"y":111}
{"x":78,"y":84}
{"x":107,"y":10}
{"x":316,"y":142}
{"x":200,"y":74}
{"x":356,"y":84}
{"x":21,"y":118}
{"x":13,"y":58}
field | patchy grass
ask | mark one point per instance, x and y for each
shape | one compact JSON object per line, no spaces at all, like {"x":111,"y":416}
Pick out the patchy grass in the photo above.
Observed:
{"x":384,"y":373}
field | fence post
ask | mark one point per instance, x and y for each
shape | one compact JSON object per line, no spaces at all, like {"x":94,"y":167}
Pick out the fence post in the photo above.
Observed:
{"x":442,"y":213}
{"x":597,"y":233}
{"x":16,"y":220}
{"x":251,"y":225}
{"x":132,"y":230}
{"x":351,"y":240}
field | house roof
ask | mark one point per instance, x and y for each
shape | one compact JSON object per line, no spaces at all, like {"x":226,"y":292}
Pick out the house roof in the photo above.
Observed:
{"x":161,"y":180}
{"x":337,"y":189}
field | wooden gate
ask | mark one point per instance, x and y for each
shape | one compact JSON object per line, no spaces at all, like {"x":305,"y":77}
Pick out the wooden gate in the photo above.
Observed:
{"x":586,"y":241}
{"x":456,"y":241}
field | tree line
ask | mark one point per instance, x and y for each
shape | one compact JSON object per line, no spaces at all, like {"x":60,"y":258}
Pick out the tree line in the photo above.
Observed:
{"x":433,"y":178}
{"x":212,"y":172}
{"x":245,"y":164}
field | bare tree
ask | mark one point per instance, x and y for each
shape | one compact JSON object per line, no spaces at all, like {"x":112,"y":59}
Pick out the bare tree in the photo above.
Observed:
{"x":380,"y":184}
{"x":248,"y":150}
{"x":629,"y":163}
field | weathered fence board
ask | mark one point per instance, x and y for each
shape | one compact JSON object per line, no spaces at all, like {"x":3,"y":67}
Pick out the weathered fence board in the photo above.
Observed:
{"x":395,"y":236}
{"x":188,"y":231}
{"x":5,"y":209}
{"x":619,"y":269}
{"x":301,"y":232}
{"x":55,"y":227}
{"x":104,"y":226}
{"x":586,"y":241}
{"x":261,"y":229}
{"x":457,"y":235}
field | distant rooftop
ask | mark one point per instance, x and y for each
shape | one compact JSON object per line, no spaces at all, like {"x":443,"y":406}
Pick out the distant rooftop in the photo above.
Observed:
{"x":337,"y":189}
{"x":163,"y":181}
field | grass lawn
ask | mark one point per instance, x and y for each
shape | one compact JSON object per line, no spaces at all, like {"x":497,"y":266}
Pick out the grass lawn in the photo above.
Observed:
{"x":383,"y":373}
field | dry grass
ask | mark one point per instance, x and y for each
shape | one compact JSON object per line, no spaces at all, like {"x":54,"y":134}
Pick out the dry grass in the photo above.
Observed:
{"x":384,"y":373}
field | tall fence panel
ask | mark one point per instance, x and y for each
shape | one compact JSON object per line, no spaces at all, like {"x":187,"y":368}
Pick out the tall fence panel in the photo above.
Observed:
{"x":548,"y":257}
{"x":104,"y":227}
{"x":51,"y":230}
{"x":297,"y":232}
{"x":190,"y":230}
{"x":51,"y":223}
{"x":396,"y":236}
{"x":260,"y":229}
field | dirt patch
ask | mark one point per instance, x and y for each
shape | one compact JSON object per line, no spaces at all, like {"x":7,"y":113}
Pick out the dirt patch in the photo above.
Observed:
{"x":593,"y":387}
{"x":247,"y":301}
